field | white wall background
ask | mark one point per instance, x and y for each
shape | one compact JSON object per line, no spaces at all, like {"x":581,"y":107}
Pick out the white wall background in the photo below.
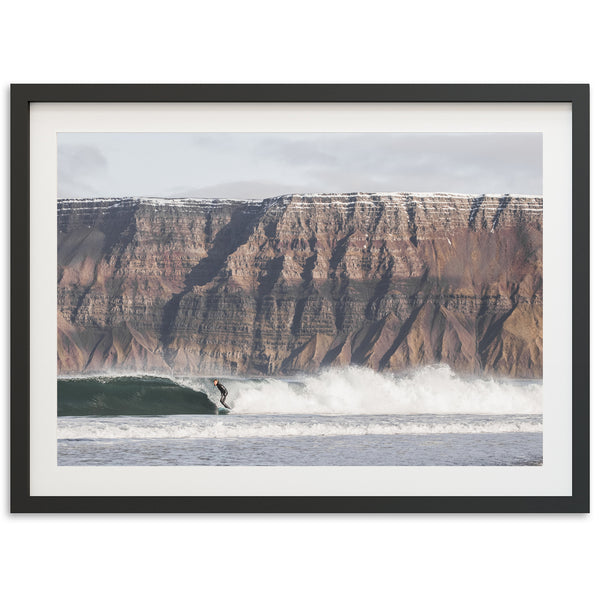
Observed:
{"x":479,"y":556}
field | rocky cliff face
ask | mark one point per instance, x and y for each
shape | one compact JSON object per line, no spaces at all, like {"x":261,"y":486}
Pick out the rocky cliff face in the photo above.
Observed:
{"x":300,"y":282}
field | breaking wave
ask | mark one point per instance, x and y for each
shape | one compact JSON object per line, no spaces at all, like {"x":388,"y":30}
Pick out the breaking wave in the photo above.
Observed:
{"x":351,"y":390}
{"x":357,"y":390}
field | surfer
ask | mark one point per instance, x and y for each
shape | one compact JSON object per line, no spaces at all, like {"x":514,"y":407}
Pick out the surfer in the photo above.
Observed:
{"x":224,"y":393}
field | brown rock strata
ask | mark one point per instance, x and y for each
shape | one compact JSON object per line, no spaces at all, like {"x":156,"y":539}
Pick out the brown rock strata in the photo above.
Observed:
{"x":300,"y":282}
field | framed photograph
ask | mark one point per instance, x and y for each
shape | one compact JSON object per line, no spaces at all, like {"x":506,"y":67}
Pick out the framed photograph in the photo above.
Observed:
{"x":300,"y":298}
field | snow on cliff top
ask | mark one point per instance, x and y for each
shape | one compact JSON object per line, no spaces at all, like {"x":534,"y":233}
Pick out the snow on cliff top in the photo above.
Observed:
{"x":350,"y":196}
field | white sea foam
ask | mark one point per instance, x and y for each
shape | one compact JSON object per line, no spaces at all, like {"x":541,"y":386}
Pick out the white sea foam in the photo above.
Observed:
{"x":356,"y":390}
{"x":196,"y":427}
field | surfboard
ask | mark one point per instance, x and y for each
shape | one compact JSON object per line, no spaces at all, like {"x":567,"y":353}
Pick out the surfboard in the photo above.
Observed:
{"x":221,"y":410}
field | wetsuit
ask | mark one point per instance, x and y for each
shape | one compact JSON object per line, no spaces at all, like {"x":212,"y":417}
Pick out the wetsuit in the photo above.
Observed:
{"x":224,"y":393}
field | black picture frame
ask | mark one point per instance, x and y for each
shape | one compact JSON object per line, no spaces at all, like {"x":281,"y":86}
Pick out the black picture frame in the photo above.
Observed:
{"x":23,"y":95}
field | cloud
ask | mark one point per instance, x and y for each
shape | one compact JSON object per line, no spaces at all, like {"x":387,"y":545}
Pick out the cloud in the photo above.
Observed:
{"x":302,"y":151}
{"x":236,"y":189}
{"x":79,"y":170}
{"x":259,"y":165}
{"x":468,"y":163}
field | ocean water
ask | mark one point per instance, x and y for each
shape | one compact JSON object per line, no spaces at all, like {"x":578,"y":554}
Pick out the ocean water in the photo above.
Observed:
{"x":351,"y":416}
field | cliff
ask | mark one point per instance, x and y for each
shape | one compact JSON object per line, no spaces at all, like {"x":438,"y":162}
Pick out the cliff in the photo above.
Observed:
{"x":299,"y":282}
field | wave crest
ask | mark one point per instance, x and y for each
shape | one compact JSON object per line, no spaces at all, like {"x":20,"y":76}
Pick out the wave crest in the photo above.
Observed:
{"x":351,"y":390}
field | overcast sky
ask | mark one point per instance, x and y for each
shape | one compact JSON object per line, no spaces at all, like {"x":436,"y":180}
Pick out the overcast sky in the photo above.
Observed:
{"x":258,"y":165}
